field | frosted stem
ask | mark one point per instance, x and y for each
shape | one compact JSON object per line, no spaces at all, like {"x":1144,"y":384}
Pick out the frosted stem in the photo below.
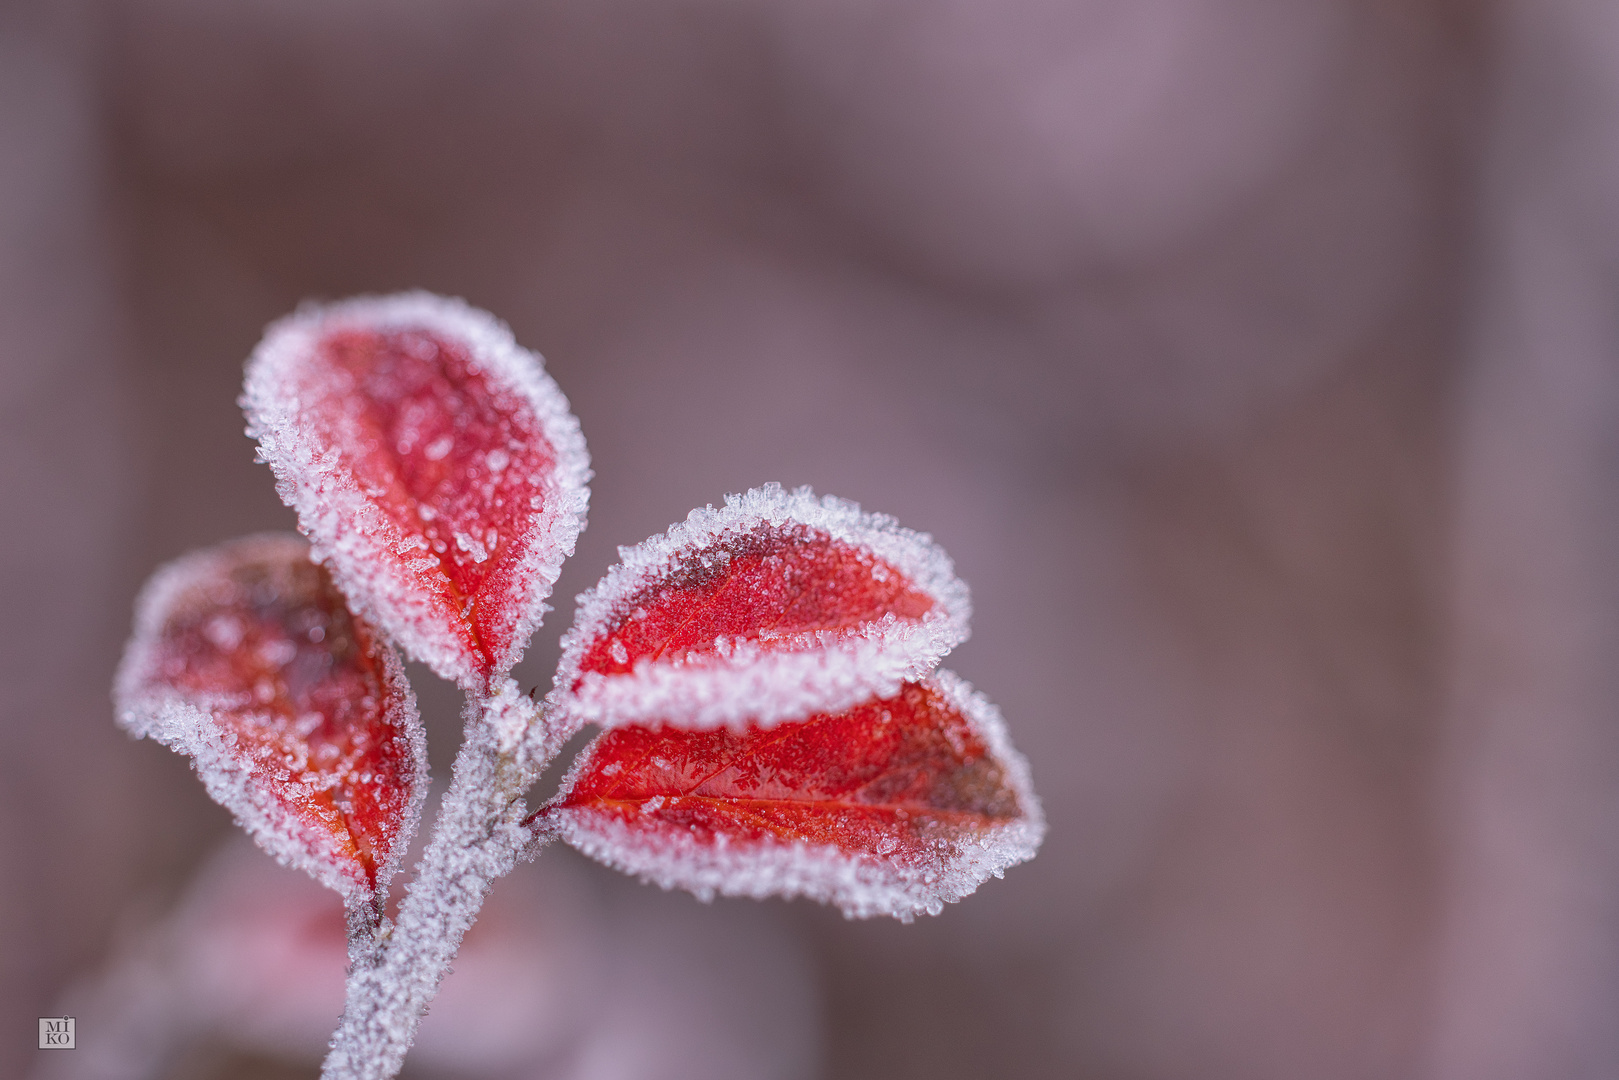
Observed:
{"x":368,"y":928}
{"x":477,"y":837}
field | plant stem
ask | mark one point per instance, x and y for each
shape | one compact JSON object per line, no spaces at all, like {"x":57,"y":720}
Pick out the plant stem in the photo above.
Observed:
{"x":368,"y":928}
{"x":477,"y":837}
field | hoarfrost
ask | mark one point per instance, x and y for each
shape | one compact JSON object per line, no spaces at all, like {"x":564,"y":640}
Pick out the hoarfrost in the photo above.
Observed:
{"x":225,"y":666}
{"x":477,"y":838}
{"x":817,"y":606}
{"x":895,"y":843}
{"x":376,"y":415}
{"x":441,"y":479}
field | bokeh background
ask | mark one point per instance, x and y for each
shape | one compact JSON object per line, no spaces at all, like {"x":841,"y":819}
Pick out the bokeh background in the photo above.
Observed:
{"x":1256,"y":360}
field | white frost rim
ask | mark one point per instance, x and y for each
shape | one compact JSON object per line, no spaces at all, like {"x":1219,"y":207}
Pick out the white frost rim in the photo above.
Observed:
{"x":186,"y":724}
{"x":860,"y":886}
{"x":361,"y":546}
{"x":745,"y":684}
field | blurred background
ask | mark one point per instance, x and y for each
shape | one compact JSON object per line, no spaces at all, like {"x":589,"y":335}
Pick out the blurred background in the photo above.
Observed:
{"x":1256,"y":360}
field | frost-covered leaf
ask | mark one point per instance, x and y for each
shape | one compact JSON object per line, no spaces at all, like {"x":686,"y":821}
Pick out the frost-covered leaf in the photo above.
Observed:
{"x":296,"y":714}
{"x":434,"y":465}
{"x":776,"y":606}
{"x":894,"y":807}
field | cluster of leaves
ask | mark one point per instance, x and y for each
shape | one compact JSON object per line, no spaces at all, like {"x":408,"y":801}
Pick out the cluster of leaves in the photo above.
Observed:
{"x":765,"y":674}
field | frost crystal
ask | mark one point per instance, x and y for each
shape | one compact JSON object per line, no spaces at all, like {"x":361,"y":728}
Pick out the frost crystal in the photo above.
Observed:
{"x":895,"y":807}
{"x":773,"y":607}
{"x":296,"y":715}
{"x":477,"y":838}
{"x":433,"y":464}
{"x":765,"y":670}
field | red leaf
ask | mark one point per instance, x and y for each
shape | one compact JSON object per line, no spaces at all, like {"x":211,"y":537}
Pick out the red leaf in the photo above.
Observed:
{"x":893,"y":807}
{"x":298,"y":717}
{"x":776,"y":606}
{"x":434,"y":465}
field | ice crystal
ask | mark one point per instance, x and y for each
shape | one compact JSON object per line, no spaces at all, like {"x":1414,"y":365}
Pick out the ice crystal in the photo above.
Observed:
{"x":894,"y":807}
{"x":775,"y":606}
{"x":296,"y":715}
{"x":433,"y":464}
{"x":765,"y":670}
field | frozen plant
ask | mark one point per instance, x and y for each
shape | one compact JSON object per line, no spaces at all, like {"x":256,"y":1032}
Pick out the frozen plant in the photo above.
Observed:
{"x":765,"y":674}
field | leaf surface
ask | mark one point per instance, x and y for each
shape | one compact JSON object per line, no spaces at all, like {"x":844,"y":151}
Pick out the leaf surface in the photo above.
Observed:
{"x":296,"y":714}
{"x":893,"y":807}
{"x":434,"y":465}
{"x":775,"y":606}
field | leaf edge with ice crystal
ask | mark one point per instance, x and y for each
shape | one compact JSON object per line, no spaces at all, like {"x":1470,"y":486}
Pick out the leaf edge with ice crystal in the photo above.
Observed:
{"x":860,"y":886}
{"x":186,"y":726}
{"x":332,"y":510}
{"x":744,"y":685}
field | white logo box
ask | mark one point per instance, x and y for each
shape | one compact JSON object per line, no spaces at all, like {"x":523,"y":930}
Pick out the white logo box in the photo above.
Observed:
{"x":57,"y":1032}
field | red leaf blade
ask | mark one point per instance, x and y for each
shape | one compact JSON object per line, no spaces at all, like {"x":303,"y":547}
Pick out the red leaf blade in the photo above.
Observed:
{"x":434,"y":465}
{"x":296,"y":714}
{"x":775,"y":606}
{"x":896,"y":806}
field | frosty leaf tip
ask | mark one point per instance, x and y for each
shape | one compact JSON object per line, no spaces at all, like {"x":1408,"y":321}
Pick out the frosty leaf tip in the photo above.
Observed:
{"x":296,"y":715}
{"x":776,"y":605}
{"x":434,"y":465}
{"x":894,"y":807}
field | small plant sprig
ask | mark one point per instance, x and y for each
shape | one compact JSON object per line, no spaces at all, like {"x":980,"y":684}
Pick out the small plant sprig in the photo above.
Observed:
{"x":765,"y":673}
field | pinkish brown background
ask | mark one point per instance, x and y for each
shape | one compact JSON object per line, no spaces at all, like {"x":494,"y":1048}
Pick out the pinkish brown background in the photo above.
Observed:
{"x":1256,"y":360}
